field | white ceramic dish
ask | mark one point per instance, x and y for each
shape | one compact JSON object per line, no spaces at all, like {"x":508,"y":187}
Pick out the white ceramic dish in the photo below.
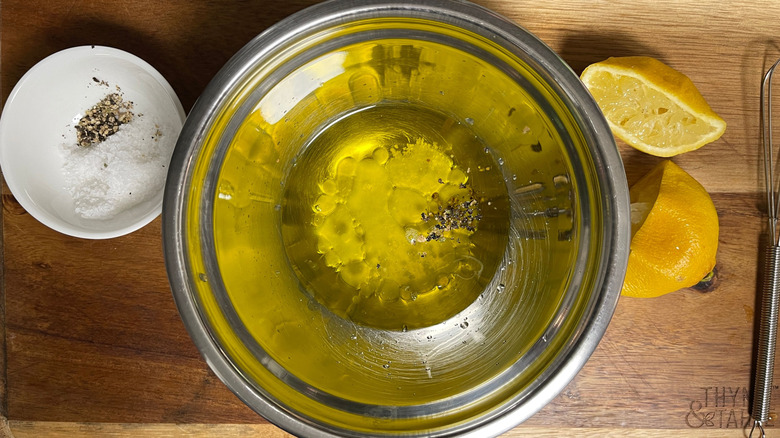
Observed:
{"x":41,"y":111}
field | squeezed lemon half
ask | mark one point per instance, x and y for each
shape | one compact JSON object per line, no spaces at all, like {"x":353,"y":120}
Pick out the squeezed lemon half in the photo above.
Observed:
{"x":651,"y":106}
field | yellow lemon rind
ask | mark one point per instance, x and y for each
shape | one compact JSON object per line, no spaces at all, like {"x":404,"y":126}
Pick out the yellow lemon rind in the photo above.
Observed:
{"x":650,"y":275}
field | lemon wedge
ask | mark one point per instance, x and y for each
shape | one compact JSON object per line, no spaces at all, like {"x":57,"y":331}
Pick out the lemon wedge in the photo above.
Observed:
{"x":675,"y":233}
{"x":651,"y":106}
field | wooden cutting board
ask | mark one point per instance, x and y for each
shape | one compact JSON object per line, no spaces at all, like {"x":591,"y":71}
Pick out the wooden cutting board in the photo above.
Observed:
{"x":93,"y":342}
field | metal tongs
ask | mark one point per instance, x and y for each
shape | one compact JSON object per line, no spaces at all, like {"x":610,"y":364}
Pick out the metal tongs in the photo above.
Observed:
{"x":770,"y":292}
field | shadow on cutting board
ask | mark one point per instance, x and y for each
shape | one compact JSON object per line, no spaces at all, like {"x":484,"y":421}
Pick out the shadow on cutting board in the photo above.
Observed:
{"x":580,"y":50}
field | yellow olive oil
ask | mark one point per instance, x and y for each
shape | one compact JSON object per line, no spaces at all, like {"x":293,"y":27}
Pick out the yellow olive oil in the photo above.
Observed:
{"x":393,"y":225}
{"x":406,"y":224}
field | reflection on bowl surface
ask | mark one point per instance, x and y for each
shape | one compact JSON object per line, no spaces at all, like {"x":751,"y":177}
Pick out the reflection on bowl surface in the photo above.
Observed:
{"x":393,"y":224}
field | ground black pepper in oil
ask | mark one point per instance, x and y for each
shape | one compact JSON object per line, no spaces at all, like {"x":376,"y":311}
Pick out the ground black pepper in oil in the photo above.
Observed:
{"x":456,"y":214}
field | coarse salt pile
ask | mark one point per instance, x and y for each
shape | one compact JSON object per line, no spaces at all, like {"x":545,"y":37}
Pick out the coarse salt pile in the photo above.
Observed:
{"x":124,"y":170}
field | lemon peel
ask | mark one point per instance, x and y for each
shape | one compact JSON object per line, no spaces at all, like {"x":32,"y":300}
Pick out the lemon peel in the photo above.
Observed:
{"x":675,"y":240}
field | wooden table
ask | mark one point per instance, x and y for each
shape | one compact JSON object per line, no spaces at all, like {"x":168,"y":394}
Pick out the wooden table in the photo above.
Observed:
{"x":93,"y":342}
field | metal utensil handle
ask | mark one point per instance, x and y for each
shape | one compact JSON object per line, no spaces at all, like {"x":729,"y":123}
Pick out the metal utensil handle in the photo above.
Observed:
{"x":767,"y":335}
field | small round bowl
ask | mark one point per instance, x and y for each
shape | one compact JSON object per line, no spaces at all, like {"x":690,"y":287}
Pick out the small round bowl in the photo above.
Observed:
{"x":40,"y":114}
{"x":285,"y":222}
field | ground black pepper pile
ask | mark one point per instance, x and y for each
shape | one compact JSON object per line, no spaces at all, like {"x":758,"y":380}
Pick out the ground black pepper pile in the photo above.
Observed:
{"x":103,"y":120}
{"x":457,"y":214}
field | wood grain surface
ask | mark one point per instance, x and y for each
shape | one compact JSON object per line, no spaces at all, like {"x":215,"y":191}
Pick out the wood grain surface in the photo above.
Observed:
{"x":93,"y":342}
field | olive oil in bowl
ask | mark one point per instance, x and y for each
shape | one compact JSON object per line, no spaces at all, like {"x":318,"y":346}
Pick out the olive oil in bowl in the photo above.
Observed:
{"x":395,"y":216}
{"x":392,"y":227}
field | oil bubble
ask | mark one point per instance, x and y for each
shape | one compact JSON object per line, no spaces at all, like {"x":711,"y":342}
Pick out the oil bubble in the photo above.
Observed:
{"x":380,"y":155}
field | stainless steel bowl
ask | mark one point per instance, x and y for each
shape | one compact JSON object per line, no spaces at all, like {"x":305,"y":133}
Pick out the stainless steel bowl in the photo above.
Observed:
{"x":552,"y":262}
